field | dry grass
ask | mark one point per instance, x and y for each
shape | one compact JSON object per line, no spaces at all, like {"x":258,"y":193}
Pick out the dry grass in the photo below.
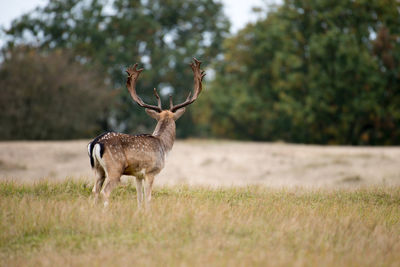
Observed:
{"x":50,"y":224}
{"x":219,"y":163}
{"x":289,"y":205}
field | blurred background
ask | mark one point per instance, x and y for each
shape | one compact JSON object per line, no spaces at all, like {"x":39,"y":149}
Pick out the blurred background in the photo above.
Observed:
{"x":320,"y":72}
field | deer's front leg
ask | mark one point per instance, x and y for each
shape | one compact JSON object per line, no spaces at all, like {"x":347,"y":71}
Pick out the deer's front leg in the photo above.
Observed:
{"x":139,"y":191}
{"x":148,"y":185}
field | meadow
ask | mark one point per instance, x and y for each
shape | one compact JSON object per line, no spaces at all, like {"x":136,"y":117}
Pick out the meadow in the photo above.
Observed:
{"x":48,"y":223}
{"x":216,"y":203}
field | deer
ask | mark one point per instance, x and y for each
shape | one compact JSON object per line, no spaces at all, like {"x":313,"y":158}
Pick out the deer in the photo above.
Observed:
{"x":142,"y":156}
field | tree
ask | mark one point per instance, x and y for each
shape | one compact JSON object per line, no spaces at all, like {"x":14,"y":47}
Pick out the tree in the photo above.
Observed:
{"x":49,"y":96}
{"x":313,"y":72}
{"x":163,"y":35}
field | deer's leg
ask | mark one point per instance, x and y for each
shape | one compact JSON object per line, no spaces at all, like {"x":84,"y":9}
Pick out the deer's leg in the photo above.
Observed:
{"x":111,"y":181}
{"x":148,"y":184}
{"x":139,"y":191}
{"x":100,"y":176}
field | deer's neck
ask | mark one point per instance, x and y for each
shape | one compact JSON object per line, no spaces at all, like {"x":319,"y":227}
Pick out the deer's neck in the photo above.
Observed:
{"x":165,"y":131}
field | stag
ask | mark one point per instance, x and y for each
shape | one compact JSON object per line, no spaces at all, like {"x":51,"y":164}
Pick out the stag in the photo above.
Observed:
{"x":143,"y":156}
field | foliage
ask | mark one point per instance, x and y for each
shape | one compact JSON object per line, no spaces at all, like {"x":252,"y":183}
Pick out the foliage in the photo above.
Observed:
{"x":162,"y":35}
{"x":312,"y":72}
{"x":49,"y":96}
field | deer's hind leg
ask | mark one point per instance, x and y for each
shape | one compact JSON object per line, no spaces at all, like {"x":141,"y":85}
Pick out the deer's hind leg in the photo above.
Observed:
{"x":100,"y":177}
{"x":112,"y":180}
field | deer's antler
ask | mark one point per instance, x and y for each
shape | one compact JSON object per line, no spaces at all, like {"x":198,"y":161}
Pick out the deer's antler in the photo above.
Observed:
{"x":198,"y":78}
{"x":133,"y":75}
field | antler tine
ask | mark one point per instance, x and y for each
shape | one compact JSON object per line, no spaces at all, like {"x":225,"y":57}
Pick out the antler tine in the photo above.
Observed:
{"x":171,"y":105}
{"x":198,"y":78}
{"x":133,"y":75}
{"x":158,"y":98}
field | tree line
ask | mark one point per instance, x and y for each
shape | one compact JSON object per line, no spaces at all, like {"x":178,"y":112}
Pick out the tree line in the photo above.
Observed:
{"x":308,"y":72}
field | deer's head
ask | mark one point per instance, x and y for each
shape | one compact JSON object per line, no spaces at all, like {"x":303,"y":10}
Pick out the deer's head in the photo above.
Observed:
{"x":175,"y":111}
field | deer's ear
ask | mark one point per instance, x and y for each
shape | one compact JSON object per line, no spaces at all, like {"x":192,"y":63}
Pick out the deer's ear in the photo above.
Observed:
{"x":152,"y":113}
{"x":179,"y":113}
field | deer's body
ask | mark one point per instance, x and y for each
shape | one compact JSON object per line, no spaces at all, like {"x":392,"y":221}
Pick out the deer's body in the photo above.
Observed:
{"x":130,"y":155}
{"x":143,"y":156}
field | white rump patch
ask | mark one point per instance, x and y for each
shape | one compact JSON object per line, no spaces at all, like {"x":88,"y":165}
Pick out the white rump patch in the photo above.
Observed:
{"x":96,"y":154}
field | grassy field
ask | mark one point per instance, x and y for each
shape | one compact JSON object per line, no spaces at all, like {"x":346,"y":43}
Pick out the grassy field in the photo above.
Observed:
{"x":56,"y":223}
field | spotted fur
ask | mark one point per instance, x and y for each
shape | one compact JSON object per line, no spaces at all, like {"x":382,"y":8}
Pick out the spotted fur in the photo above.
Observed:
{"x":143,"y":156}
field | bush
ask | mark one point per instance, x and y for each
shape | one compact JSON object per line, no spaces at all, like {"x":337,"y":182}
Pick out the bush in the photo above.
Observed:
{"x":49,"y":96}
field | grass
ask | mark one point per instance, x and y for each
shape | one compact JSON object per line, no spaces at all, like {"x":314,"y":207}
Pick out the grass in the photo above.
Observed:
{"x":49,"y":224}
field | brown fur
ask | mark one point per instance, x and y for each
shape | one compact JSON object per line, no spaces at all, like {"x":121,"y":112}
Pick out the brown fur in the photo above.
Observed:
{"x":143,"y":156}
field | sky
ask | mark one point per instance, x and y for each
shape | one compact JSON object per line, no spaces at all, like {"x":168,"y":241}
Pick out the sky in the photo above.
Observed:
{"x":238,"y":11}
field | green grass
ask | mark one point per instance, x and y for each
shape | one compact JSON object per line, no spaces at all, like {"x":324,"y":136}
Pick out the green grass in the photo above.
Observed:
{"x":49,"y":224}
